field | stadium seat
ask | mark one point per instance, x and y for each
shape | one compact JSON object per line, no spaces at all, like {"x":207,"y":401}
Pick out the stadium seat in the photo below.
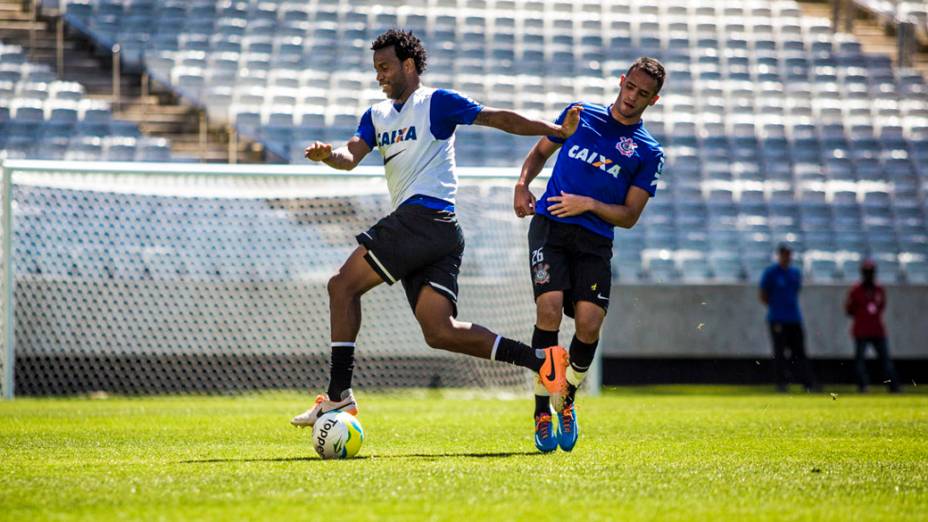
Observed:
{"x":769,"y":118}
{"x":153,"y":149}
{"x":916,"y":272}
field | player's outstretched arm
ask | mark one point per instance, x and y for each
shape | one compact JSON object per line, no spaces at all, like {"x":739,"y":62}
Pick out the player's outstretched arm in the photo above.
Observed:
{"x":624,"y":216}
{"x":523,"y":200}
{"x":345,"y":157}
{"x":514,"y":123}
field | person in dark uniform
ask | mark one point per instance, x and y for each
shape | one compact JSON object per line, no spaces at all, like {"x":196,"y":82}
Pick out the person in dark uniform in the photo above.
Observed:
{"x":865,"y":304}
{"x":779,"y":290}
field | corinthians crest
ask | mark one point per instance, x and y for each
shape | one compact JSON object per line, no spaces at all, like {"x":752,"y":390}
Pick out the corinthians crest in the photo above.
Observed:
{"x":541,"y":274}
{"x":626,"y":146}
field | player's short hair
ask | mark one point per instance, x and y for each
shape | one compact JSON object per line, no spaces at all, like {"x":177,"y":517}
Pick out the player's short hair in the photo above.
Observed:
{"x":405,"y":44}
{"x":652,"y":68}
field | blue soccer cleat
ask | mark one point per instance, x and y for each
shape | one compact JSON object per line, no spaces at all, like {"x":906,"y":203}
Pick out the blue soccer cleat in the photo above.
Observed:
{"x":545,"y":439}
{"x":568,"y":430}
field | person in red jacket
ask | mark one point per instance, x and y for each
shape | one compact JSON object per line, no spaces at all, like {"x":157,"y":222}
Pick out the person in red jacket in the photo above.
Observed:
{"x":865,"y":304}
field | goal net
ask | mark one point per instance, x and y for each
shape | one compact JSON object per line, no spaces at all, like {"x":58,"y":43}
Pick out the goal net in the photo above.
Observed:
{"x":153,"y":278}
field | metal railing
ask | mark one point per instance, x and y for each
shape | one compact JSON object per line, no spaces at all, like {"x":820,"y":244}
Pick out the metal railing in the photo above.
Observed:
{"x":843,"y":13}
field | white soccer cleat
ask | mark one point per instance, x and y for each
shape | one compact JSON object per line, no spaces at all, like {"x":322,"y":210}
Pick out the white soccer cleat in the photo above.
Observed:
{"x":324,"y":405}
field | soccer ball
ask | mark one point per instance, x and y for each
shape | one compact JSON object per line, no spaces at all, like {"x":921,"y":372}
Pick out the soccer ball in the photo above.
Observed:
{"x":337,"y":435}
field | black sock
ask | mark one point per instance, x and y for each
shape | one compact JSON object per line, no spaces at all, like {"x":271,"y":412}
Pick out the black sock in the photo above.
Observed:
{"x":514,"y":352}
{"x":571,"y":394}
{"x":581,"y":354}
{"x":581,"y":357}
{"x":341,"y":369}
{"x":543,"y":339}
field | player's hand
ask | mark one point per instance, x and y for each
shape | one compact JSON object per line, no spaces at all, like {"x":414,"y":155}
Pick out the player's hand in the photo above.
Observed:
{"x":318,"y":151}
{"x":567,"y":205}
{"x":523,"y":201}
{"x":571,"y":122}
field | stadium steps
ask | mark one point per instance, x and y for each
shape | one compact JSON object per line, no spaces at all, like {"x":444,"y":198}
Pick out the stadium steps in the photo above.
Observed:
{"x":874,"y":38}
{"x":159,"y":113}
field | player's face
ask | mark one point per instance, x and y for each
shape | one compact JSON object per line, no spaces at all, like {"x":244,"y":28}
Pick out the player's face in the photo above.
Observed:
{"x":638,"y":92}
{"x":785,"y":257}
{"x":391,"y":72}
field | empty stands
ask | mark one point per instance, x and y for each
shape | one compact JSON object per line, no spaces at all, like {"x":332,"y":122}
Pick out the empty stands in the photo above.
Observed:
{"x":775,"y":128}
{"x":43,"y":118}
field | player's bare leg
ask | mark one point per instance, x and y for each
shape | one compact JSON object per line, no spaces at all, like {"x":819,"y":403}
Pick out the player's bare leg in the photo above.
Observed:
{"x":354,"y":279}
{"x":435,"y":314}
{"x":588,"y":318}
{"x":441,"y":330}
{"x":549,"y":310}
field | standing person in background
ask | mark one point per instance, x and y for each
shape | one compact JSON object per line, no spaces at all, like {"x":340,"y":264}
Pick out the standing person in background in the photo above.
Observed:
{"x":865,"y":304}
{"x":779,"y":290}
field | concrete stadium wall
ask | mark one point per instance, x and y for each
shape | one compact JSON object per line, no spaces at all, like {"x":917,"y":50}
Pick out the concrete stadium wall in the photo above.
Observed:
{"x":728,"y":321}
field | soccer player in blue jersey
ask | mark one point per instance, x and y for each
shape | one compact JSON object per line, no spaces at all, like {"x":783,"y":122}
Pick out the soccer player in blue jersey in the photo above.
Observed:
{"x":604,"y":175}
{"x":420,"y":243}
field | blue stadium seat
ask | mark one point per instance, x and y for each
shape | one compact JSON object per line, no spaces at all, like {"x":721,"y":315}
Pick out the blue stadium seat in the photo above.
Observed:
{"x":764,"y":105}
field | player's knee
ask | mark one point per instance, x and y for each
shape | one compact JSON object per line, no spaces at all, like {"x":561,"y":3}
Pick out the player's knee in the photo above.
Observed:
{"x":548,"y":311}
{"x":339,"y":286}
{"x":588,"y":327}
{"x":334,"y":286}
{"x":439,"y":339}
{"x":438,"y":334}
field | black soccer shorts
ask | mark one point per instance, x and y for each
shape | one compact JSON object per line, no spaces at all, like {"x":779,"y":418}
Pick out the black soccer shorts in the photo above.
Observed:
{"x":571,"y":259}
{"x":418,"y":246}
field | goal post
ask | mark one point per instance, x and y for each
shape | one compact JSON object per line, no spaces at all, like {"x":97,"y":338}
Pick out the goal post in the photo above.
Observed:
{"x":175,"y":277}
{"x":6,"y":273}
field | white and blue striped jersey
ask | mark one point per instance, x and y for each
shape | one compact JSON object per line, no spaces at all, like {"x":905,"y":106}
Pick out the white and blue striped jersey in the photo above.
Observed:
{"x":416,"y":140}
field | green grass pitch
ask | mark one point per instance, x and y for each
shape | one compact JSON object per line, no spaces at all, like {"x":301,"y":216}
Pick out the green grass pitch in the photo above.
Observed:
{"x":667,"y":453}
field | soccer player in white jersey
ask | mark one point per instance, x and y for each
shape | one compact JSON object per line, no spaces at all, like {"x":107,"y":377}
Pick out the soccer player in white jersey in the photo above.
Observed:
{"x":420,"y":243}
{"x":604,"y":175}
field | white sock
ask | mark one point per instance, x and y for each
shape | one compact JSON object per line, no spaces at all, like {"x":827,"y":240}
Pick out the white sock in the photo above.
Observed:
{"x":540,"y":388}
{"x":574,"y":377}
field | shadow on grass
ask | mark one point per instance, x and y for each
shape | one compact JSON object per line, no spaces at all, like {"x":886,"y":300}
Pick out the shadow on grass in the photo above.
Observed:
{"x":424,"y":456}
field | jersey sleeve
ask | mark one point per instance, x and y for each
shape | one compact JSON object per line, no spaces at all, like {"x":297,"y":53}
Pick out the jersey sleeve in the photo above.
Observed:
{"x":650,"y":171}
{"x":448,"y":109}
{"x":765,"y":280}
{"x":366,"y":129}
{"x":559,"y":120}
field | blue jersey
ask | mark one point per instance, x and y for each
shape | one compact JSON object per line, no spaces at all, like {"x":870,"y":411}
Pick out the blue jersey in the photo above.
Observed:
{"x":602,"y":160}
{"x":782,"y":287}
